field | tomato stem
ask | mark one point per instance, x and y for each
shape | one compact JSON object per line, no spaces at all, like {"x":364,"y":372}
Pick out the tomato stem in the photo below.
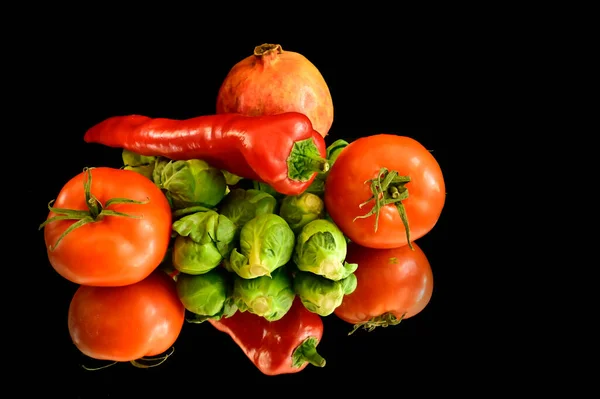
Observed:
{"x":307,"y":352}
{"x":385,"y":320}
{"x":388,"y":188}
{"x":86,"y":368}
{"x":152,"y":361}
{"x":96,"y":211}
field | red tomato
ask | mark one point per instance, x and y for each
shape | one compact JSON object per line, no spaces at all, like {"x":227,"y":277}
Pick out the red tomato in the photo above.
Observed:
{"x":109,"y":250}
{"x":348,"y":186}
{"x":393,"y":284}
{"x":129,"y":322}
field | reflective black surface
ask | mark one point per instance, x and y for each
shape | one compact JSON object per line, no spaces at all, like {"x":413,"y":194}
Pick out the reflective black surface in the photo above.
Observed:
{"x":381,"y":87}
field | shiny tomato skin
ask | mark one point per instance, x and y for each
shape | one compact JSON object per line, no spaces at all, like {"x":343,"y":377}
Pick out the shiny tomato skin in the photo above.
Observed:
{"x":114,"y":250}
{"x":128,"y":322}
{"x":394,"y":280}
{"x":361,"y":160}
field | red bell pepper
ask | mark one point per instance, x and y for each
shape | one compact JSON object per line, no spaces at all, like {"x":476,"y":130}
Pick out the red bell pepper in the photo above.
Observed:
{"x":283,"y":151}
{"x":284,"y":346}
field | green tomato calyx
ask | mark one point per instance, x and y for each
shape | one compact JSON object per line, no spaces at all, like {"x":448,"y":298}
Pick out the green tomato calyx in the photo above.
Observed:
{"x":385,"y":320}
{"x":96,"y":210}
{"x":388,"y":188}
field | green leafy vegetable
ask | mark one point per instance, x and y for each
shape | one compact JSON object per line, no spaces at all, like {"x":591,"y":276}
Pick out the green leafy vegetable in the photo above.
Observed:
{"x":321,"y":249}
{"x":299,"y":210}
{"x":241,"y":205}
{"x":269,"y":297}
{"x":230,"y":178}
{"x":321,"y":295}
{"x":207,"y":296}
{"x":141,"y":164}
{"x":190,"y":183}
{"x":264,"y":187}
{"x":266,"y":243}
{"x":203,"y":240}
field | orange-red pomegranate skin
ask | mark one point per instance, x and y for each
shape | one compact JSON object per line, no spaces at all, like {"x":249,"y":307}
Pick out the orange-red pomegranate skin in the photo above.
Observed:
{"x":272,"y":81}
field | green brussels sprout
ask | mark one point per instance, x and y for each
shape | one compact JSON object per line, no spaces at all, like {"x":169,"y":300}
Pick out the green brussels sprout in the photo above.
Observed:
{"x":298,"y":210}
{"x":230,"y":178}
{"x":321,"y":249}
{"x":141,"y":164}
{"x":333,"y":151}
{"x":207,"y":296}
{"x":268,"y":297}
{"x":240,"y":205}
{"x":266,"y":243}
{"x":321,"y":295}
{"x":203,"y":240}
{"x":264,"y":187}
{"x":190,"y":183}
{"x":327,"y":217}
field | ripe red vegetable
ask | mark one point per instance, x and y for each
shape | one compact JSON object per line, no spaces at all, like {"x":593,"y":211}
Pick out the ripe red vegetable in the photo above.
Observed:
{"x":108,"y":227}
{"x":284,"y":346}
{"x":385,"y":191}
{"x":393,"y":285}
{"x":281,"y":150}
{"x":127,"y":323}
{"x":272,"y":81}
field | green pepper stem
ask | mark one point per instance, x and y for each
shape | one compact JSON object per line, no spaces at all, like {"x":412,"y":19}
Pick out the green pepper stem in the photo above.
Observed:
{"x":388,"y":188}
{"x":307,"y":352}
{"x":305,"y":160}
{"x":318,"y":164}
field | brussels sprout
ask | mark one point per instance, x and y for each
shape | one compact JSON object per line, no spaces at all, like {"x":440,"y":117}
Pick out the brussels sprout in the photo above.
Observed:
{"x":269,"y":297}
{"x":230,"y":178}
{"x":190,"y":183}
{"x":266,"y":243}
{"x":141,"y":164}
{"x":207,"y":296}
{"x":327,"y":217}
{"x":264,"y":187}
{"x":333,"y":151}
{"x":321,"y":295}
{"x":240,"y":205}
{"x":203,"y":240}
{"x":321,"y":249}
{"x":298,"y":210}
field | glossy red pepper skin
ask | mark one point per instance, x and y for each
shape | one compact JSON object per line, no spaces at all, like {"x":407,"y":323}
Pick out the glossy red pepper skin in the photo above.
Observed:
{"x":254,"y":147}
{"x":271,"y":345}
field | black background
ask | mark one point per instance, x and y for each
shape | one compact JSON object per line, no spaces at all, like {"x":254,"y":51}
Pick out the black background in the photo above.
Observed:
{"x":381,"y":84}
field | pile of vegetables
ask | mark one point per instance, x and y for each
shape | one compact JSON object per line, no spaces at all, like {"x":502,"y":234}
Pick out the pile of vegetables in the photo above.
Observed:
{"x":247,"y":220}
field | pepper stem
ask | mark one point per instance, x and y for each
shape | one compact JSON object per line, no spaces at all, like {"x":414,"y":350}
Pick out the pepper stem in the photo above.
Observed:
{"x":305,"y":160}
{"x":96,"y":211}
{"x":388,"y":188}
{"x":385,"y":320}
{"x":307,"y":352}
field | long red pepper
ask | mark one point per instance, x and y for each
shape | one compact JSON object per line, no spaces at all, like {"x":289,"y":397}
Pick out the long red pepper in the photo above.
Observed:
{"x":284,"y":346}
{"x":281,"y":150}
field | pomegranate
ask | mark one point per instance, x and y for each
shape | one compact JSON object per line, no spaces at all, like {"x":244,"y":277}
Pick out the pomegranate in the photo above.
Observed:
{"x":272,"y":81}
